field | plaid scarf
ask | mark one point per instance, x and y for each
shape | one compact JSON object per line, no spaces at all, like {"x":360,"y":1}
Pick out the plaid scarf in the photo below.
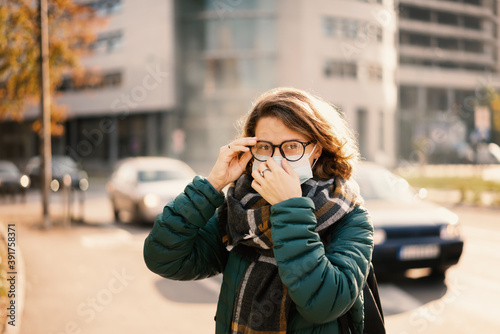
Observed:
{"x":262,"y":304}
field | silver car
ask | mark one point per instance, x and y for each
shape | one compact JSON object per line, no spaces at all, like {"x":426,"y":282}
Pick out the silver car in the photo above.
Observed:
{"x":140,"y":187}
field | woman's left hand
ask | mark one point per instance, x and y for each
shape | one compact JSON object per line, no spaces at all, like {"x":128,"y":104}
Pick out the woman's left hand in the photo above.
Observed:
{"x":276,"y":184}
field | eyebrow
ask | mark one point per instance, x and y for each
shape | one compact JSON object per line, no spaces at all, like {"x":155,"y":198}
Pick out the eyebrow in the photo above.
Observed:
{"x":304,"y":141}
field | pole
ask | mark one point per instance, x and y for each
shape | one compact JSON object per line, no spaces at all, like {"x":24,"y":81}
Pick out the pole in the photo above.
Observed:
{"x":45,"y":137}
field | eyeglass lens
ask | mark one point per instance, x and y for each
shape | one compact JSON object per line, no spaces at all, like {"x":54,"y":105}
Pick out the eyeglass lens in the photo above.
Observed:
{"x":292,"y":150}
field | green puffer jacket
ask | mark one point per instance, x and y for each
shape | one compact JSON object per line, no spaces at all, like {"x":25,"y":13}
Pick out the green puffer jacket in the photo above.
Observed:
{"x":324,"y":283}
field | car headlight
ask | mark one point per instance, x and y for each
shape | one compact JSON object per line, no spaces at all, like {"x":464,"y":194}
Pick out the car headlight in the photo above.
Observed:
{"x":450,"y":231}
{"x":54,"y":185}
{"x":379,"y":236}
{"x":25,"y":181}
{"x":151,"y":200}
{"x":84,"y":184}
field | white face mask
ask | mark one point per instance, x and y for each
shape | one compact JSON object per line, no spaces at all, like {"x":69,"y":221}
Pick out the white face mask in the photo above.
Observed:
{"x":301,"y":166}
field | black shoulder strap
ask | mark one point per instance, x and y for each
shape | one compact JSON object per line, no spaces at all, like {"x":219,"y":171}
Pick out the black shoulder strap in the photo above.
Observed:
{"x":374,"y":316}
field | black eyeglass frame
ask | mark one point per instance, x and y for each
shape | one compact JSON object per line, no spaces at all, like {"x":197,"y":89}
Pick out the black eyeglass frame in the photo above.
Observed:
{"x":304,"y":144}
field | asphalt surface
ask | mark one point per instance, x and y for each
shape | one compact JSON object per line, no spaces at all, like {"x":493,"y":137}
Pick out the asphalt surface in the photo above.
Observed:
{"x":90,"y":278}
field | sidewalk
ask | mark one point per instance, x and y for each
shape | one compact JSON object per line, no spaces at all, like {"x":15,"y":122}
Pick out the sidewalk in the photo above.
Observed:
{"x":13,"y":279}
{"x":29,"y":214}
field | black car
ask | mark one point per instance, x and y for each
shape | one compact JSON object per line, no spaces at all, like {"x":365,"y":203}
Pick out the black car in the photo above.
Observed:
{"x":409,"y":233}
{"x":12,"y":181}
{"x":61,"y":166}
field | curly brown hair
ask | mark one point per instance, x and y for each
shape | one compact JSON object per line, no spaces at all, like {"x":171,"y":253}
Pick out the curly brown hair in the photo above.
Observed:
{"x":316,"y":120}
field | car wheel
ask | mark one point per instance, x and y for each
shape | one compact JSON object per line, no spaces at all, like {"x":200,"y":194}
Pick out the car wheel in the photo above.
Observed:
{"x":438,"y":273}
{"x":116,"y":212}
{"x":136,"y":215}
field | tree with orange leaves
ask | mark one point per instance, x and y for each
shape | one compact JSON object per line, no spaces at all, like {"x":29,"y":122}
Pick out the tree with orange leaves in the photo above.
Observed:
{"x":72,"y":27}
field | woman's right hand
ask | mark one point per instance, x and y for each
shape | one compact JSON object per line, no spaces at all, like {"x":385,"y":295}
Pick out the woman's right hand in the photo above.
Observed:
{"x":230,"y":165}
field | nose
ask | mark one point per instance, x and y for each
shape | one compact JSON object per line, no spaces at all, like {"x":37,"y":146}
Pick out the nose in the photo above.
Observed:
{"x":277,"y":152}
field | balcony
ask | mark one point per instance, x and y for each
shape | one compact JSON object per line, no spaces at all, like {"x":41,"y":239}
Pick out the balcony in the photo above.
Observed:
{"x":458,"y":8}
{"x":435,"y":29}
{"x":454,"y":56}
{"x":441,"y":77}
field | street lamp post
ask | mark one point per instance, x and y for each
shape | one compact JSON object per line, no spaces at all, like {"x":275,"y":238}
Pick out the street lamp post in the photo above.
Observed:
{"x":45,"y":136}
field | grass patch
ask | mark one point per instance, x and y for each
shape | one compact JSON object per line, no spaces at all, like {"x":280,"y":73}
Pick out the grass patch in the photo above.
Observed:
{"x":471,"y":188}
{"x":475,"y":184}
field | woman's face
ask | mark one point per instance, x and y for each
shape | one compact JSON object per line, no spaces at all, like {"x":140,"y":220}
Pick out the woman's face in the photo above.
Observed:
{"x":273,"y":130}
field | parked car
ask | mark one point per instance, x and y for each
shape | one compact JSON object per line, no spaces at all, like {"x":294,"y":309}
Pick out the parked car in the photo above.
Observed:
{"x":12,"y":181}
{"x":61,"y":166}
{"x":409,"y":232}
{"x":140,"y":187}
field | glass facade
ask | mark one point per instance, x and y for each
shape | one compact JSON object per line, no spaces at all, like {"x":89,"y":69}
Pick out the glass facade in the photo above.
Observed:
{"x":226,"y":56}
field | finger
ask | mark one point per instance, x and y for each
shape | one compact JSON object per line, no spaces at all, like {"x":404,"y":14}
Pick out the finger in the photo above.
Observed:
{"x":245,"y":159}
{"x":288,"y":168}
{"x":272,"y":165}
{"x":257,"y":178}
{"x":260,"y":174}
{"x":256,"y":186}
{"x":263,"y":166}
{"x":245,"y":141}
{"x":238,"y":148}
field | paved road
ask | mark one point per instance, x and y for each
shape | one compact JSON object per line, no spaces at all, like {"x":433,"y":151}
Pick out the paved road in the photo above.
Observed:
{"x":91,"y":278}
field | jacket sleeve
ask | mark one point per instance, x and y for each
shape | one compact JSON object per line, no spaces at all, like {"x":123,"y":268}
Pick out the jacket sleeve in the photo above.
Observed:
{"x":323,"y":283}
{"x":185,"y":242}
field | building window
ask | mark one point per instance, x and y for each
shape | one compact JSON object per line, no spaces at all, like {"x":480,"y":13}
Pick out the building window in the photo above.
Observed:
{"x":113,"y":79}
{"x":473,"y":2}
{"x":106,"y":7}
{"x":414,"y":13}
{"x":464,"y":101}
{"x":447,"y":43}
{"x":408,"y":97}
{"x":473,"y":46}
{"x":476,"y":67}
{"x":371,"y":1}
{"x":362,"y":130}
{"x":340,"y":69}
{"x":330,"y":26}
{"x":381,"y":133}
{"x":418,"y":39}
{"x":447,"y":18}
{"x":471,"y":22}
{"x":375,"y":72}
{"x":351,"y":29}
{"x":91,"y":80}
{"x":447,"y":64}
{"x":437,"y":99}
{"x":107,"y":42}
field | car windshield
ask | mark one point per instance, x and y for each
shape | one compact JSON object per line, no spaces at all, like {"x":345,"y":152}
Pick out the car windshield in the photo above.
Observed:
{"x":380,"y":184}
{"x":63,"y":165}
{"x":161,"y":175}
{"x":8,"y":169}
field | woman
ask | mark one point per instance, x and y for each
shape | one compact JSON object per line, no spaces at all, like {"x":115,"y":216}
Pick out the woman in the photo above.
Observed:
{"x":290,"y":237}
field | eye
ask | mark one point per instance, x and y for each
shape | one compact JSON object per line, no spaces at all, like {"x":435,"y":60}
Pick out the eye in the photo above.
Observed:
{"x":291,"y":146}
{"x":263,"y":146}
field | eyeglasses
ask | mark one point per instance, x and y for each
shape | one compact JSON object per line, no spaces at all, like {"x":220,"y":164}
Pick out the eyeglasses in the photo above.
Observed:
{"x":291,"y":150}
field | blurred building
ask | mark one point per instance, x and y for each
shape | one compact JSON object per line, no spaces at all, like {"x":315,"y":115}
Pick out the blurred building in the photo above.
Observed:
{"x":448,"y":50}
{"x":173,"y":77}
{"x":124,"y":103}
{"x":231,"y":51}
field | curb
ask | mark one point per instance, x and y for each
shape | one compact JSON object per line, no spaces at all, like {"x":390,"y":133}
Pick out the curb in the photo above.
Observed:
{"x":20,"y":284}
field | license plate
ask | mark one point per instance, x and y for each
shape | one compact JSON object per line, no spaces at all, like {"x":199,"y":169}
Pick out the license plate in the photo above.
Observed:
{"x":418,"y":252}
